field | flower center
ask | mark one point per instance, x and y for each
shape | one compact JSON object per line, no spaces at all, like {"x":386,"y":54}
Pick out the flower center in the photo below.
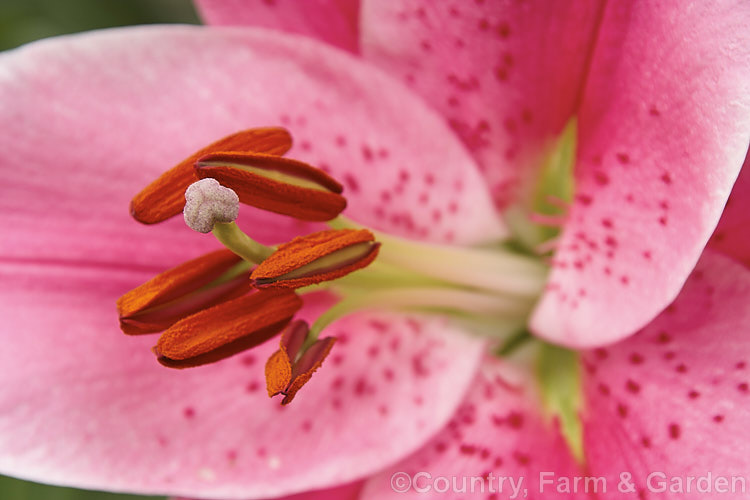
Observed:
{"x":219,"y":304}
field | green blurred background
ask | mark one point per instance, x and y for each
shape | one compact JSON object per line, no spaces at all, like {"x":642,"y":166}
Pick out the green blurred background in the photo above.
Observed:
{"x":23,"y":21}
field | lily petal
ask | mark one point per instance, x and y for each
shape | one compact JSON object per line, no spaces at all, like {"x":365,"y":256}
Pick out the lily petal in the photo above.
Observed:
{"x":506,"y":75}
{"x":663,"y":131}
{"x":498,"y":430}
{"x":84,"y":405}
{"x":69,"y":199}
{"x":732,"y":235}
{"x":673,"y":399}
{"x":333,"y":21}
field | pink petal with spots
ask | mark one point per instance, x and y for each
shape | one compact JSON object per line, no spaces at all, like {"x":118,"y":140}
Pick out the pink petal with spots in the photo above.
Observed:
{"x":400,"y":165}
{"x":674,"y":398}
{"x":346,"y":492}
{"x":506,"y":75}
{"x":663,"y":131}
{"x":332,"y":21}
{"x":497,"y":430}
{"x":84,"y":405}
{"x":732,"y":236}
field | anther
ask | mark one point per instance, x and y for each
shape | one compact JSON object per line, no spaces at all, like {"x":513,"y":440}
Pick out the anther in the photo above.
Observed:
{"x":184,"y":290}
{"x":276,"y":184}
{"x":227,"y":328}
{"x":291,"y":367}
{"x":163,"y":198}
{"x":317,"y":257}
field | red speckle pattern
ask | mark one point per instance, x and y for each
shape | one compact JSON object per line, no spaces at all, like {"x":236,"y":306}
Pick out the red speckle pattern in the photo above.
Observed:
{"x":497,"y":431}
{"x":502,"y":105}
{"x":657,"y":399}
{"x":642,"y":151}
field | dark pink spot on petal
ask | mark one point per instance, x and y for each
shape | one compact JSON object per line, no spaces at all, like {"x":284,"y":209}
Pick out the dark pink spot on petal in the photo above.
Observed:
{"x":633,"y":387}
{"x":601,"y":178}
{"x":351,"y":182}
{"x":663,"y":338}
{"x":622,"y":410}
{"x":674,"y":431}
{"x":503,"y":30}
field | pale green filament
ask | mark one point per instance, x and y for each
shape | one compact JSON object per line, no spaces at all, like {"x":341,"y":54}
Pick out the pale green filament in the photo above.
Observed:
{"x":444,"y":300}
{"x":498,"y":270}
{"x":235,"y":240}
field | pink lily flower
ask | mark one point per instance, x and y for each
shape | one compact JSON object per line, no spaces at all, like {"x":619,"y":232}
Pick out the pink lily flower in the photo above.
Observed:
{"x":661,"y":98}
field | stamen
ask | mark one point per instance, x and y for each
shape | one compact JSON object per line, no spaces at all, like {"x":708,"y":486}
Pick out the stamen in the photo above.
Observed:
{"x":499,"y":270}
{"x":547,"y":246}
{"x":424,"y":299}
{"x":276,"y":184}
{"x":292,"y":366}
{"x":557,"y":221}
{"x":163,"y":198}
{"x":317,"y":257}
{"x":561,"y":204}
{"x":183,"y":290}
{"x":227,"y":329}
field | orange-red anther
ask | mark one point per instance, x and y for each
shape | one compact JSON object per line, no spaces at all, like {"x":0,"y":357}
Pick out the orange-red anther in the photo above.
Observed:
{"x":317,"y":257}
{"x":226,"y":329}
{"x":276,"y":184}
{"x":165,"y":197}
{"x":286,"y":371}
{"x":183,"y":290}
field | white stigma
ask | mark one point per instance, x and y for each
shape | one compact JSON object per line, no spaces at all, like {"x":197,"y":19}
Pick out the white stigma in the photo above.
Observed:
{"x":208,"y":202}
